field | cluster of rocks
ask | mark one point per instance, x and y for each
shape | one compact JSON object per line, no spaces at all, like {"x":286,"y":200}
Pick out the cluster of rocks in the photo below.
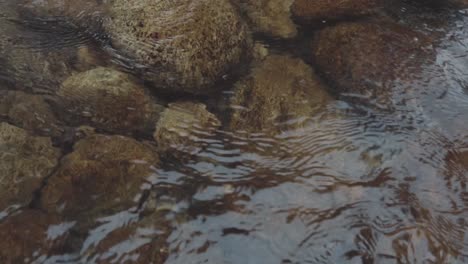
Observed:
{"x":153,"y":51}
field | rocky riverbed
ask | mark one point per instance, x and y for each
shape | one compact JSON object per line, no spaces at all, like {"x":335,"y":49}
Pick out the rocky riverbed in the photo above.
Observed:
{"x":234,"y":131}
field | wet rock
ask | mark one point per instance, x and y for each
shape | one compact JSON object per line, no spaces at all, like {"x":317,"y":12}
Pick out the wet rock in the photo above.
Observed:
{"x":279,"y":93}
{"x":30,"y":237}
{"x":25,"y":161}
{"x":317,"y":10}
{"x":103,"y":174}
{"x":368,"y":61}
{"x":183,"y":125}
{"x":110,"y":100}
{"x":30,"y":112}
{"x":34,"y":57}
{"x":181,"y":45}
{"x":272,"y":17}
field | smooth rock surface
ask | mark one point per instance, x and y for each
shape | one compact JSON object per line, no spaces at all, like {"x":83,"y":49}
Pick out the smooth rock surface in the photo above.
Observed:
{"x":316,"y":10}
{"x":109,"y":100}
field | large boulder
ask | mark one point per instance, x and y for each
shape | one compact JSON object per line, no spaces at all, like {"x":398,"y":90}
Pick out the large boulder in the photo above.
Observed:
{"x":278,"y":90}
{"x":178,"y":45}
{"x":183,"y":125}
{"x":316,"y":10}
{"x":369,"y":60}
{"x":30,"y":112}
{"x":31,"y":237}
{"x":25,"y":161}
{"x":109,"y":100}
{"x":103,"y":174}
{"x":271,"y":17}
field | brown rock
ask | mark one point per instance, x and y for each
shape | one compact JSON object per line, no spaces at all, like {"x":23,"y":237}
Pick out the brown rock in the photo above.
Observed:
{"x":278,"y":89}
{"x":272,"y":17}
{"x":325,"y":9}
{"x":30,"y":112}
{"x":103,"y":174}
{"x":181,"y":45}
{"x":28,"y":237}
{"x":182,"y":126}
{"x":110,"y":100}
{"x":370,"y":59}
{"x":24,"y":163}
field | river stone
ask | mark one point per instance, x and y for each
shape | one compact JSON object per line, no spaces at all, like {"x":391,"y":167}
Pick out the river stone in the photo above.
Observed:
{"x":30,"y":112}
{"x":109,"y":100}
{"x":278,"y":89}
{"x":367,"y":60}
{"x":25,"y":161}
{"x":103,"y":174}
{"x":272,"y":17}
{"x":316,"y":10}
{"x":30,"y":237}
{"x":183,"y":125}
{"x":178,"y":45}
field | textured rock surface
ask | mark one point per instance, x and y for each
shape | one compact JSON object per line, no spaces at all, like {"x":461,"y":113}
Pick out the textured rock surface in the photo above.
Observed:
{"x":24,"y":162}
{"x":277,"y":89}
{"x":103,"y":174}
{"x":29,"y":237}
{"x":370,"y":59}
{"x":178,"y":45}
{"x":110,"y":100}
{"x":182,"y":126}
{"x":272,"y":17}
{"x":29,"y":112}
{"x":325,"y":9}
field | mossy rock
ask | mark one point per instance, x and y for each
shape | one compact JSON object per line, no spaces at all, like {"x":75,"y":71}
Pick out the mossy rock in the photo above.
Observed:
{"x":181,"y":45}
{"x":109,"y":100}
{"x":103,"y":174}
{"x":278,"y":90}
{"x":25,"y":161}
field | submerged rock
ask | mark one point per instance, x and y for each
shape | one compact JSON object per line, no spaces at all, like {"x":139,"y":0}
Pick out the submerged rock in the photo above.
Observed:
{"x":30,"y":237}
{"x":103,"y":174}
{"x":272,"y":17}
{"x":280,"y":93}
{"x":25,"y":161}
{"x":178,"y":45}
{"x":183,"y":125}
{"x":368,"y":60}
{"x":30,"y":112}
{"x":317,"y":10}
{"x":110,"y":100}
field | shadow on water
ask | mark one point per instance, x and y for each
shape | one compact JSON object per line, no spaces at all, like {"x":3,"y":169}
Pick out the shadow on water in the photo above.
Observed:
{"x":353,"y":184}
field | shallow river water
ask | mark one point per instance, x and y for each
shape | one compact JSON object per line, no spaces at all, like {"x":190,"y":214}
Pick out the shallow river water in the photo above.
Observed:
{"x":345,"y":143}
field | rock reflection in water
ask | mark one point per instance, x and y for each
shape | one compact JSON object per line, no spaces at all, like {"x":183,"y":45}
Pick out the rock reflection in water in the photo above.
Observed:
{"x":234,"y":131}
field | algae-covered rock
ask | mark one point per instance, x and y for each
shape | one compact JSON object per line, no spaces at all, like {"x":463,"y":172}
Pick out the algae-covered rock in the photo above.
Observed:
{"x":183,"y":125}
{"x":110,"y":100}
{"x":279,"y":93}
{"x":56,"y":8}
{"x":178,"y":45}
{"x":25,"y":161}
{"x":30,"y":237}
{"x":103,"y":174}
{"x":370,"y":59}
{"x":272,"y":17}
{"x":30,"y":112}
{"x":316,"y":10}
